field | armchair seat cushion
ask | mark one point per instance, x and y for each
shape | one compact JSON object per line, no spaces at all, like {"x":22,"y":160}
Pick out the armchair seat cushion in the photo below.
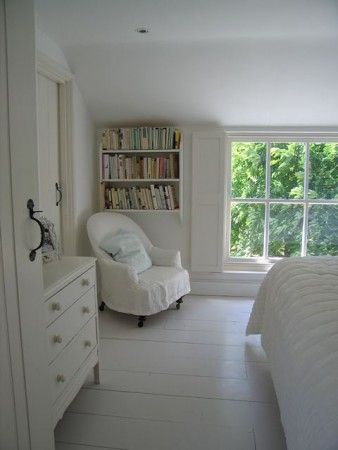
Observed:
{"x":163,"y":285}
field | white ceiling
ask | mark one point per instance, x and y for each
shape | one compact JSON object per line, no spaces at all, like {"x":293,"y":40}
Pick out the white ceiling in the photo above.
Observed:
{"x":228,"y":62}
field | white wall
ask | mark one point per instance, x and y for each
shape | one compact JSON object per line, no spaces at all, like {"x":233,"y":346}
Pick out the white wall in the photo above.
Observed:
{"x":85,"y":176}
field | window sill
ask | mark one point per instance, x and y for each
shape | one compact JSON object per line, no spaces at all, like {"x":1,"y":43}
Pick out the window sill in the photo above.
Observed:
{"x":247,"y":276}
{"x":251,"y":267}
{"x":237,"y":283}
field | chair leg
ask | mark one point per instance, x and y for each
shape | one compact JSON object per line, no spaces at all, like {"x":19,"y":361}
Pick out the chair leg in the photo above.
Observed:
{"x":141,"y":319}
{"x":178,"y":303}
{"x":101,"y":307}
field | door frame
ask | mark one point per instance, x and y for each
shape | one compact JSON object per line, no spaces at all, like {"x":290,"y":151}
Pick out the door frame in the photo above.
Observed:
{"x":28,"y":400}
{"x":51,"y":69}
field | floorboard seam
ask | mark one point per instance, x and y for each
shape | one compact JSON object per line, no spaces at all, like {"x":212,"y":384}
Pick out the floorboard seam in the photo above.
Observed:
{"x":99,"y":388}
{"x":148,"y":419}
{"x":103,"y":338}
{"x":90,"y":445}
{"x":176,"y":374}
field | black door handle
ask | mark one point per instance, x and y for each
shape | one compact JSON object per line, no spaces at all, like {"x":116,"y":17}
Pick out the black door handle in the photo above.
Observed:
{"x":30,"y":206}
{"x":58,"y":190}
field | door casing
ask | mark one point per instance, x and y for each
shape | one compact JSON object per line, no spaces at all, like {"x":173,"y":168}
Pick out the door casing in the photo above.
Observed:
{"x":49,"y":68}
{"x":27,"y":399}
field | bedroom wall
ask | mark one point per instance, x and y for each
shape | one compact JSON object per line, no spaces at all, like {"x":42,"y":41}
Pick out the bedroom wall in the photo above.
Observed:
{"x":85,"y":181}
{"x":85,"y":177}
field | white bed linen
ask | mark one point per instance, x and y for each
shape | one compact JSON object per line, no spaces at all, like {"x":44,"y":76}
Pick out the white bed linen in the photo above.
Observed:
{"x":296,"y":312}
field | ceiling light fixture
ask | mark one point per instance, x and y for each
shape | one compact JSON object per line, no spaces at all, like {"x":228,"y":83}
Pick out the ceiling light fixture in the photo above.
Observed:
{"x":142,"y":30}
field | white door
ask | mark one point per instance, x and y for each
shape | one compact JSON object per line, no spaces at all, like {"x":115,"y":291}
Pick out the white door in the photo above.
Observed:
{"x":48,"y":146}
{"x":25,"y":416}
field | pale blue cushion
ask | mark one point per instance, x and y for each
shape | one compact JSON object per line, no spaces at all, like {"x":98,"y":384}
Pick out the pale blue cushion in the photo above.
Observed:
{"x":126,"y":247}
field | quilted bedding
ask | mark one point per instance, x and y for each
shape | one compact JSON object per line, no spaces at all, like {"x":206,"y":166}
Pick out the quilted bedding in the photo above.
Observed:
{"x":296,"y":313}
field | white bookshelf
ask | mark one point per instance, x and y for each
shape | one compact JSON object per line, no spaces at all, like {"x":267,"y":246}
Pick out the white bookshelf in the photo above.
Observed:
{"x":123,"y":182}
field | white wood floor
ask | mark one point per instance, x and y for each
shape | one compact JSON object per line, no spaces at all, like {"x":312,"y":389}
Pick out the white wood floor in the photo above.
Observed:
{"x":189,"y":380}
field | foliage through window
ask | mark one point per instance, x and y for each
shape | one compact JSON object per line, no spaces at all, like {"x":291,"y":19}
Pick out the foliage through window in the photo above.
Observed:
{"x":283,"y":199}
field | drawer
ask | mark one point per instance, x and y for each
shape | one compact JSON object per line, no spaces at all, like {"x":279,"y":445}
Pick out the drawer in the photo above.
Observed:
{"x":71,"y":358}
{"x":63,"y":329}
{"x":62,"y":300}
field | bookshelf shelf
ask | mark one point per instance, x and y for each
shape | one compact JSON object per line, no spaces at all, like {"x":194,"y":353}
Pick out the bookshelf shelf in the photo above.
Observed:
{"x":140,"y":151}
{"x":141,"y":180}
{"x":137,"y":178}
{"x":174,"y":211}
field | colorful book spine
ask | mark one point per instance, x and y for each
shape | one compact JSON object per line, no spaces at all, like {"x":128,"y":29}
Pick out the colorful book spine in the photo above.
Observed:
{"x":157,"y":197}
{"x":141,"y":138}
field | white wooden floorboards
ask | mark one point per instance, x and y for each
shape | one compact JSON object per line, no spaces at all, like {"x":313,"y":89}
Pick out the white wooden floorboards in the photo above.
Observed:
{"x":188,"y":380}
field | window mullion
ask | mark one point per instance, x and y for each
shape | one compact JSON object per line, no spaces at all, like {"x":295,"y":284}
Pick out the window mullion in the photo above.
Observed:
{"x":306,"y":198}
{"x":267,"y":202}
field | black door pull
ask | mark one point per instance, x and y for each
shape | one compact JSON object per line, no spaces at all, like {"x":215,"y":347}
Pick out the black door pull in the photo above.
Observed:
{"x":30,"y":206}
{"x":58,"y":190}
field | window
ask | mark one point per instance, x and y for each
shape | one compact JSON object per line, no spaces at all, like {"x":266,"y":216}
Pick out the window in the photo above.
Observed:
{"x":282,"y":199}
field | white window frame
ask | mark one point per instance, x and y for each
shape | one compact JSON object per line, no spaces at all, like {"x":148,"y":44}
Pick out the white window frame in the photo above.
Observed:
{"x":265,"y":262}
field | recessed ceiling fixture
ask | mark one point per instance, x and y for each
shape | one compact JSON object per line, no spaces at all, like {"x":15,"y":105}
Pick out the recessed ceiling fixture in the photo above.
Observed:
{"x":142,"y":30}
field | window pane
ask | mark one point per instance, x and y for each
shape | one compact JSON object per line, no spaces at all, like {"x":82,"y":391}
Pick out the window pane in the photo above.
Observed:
{"x":247,"y":229}
{"x":285,"y":230}
{"x":323,"y":230}
{"x":248,"y":169}
{"x":287,"y":170}
{"x":323,"y":177}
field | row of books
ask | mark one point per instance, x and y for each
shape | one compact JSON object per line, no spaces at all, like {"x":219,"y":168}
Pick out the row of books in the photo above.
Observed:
{"x":141,"y":138}
{"x":153,"y":197}
{"x":122,"y":167}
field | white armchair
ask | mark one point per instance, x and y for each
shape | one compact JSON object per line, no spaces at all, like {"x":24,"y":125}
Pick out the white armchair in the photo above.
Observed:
{"x":121,"y":288}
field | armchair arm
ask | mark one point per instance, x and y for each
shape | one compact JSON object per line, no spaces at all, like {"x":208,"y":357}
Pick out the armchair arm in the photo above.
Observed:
{"x":165,"y":257}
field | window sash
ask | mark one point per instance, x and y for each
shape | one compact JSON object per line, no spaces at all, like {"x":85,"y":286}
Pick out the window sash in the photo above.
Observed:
{"x":267,"y":201}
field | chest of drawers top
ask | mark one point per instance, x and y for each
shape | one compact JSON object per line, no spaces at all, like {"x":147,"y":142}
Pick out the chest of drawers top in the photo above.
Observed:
{"x":58,"y":274}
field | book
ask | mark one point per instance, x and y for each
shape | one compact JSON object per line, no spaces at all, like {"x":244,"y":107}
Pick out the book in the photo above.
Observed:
{"x":153,"y":194}
{"x":171,"y":198}
{"x":166,"y":196}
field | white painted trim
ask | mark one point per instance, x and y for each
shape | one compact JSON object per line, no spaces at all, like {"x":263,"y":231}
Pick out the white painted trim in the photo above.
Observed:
{"x":22,"y":279}
{"x":284,"y":135}
{"x":237,"y":284}
{"x":9,"y":318}
{"x":305,"y":137}
{"x":68,"y":222}
{"x":213,"y":199}
{"x":49,"y":68}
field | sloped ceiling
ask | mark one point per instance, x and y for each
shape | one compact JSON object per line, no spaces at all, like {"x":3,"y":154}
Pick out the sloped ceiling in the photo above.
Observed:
{"x":223,"y":62}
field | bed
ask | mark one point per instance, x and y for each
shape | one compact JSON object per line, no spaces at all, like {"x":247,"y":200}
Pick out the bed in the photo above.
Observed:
{"x":296,"y":313}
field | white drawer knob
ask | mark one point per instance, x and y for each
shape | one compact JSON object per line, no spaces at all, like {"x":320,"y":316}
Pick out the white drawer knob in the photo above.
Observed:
{"x":60,"y":378}
{"x":56,"y":306}
{"x":57,"y":339}
{"x":85,"y":310}
{"x":85,"y":282}
{"x":87,"y":344}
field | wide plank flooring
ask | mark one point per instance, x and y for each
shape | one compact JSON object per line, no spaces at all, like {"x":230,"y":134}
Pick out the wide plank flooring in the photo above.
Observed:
{"x":188,"y":380}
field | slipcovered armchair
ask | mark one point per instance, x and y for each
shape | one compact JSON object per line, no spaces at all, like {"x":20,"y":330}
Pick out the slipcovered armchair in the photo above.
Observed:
{"x":121,"y":288}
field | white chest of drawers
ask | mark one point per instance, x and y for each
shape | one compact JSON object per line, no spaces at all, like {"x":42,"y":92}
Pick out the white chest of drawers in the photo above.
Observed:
{"x":70,"y":305}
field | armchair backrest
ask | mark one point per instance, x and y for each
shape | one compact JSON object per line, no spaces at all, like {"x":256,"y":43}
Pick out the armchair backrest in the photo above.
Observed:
{"x":101,"y":224}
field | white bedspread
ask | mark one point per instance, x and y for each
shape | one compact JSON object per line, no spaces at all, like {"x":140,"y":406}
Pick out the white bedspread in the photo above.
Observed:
{"x":296,"y":312}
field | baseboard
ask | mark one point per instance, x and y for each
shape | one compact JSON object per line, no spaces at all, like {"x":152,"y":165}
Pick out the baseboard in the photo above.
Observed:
{"x":235,"y":284}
